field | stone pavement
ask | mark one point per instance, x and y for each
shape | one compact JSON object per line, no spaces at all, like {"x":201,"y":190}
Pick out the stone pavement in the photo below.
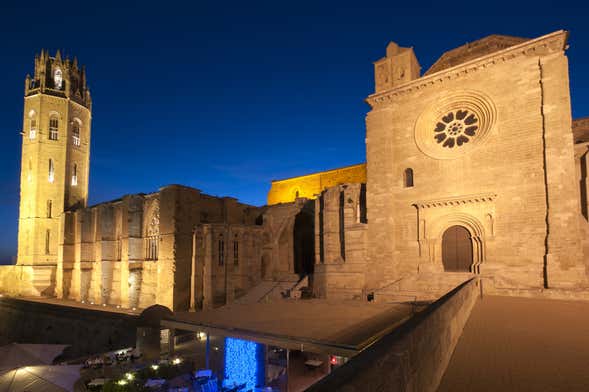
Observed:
{"x":522,"y":344}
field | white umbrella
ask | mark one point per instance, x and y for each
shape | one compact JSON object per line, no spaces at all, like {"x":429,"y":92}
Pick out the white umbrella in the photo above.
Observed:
{"x":41,"y":378}
{"x":16,"y":355}
{"x":28,"y":367}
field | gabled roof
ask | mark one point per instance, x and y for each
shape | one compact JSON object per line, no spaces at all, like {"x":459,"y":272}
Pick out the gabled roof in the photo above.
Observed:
{"x":473,"y":50}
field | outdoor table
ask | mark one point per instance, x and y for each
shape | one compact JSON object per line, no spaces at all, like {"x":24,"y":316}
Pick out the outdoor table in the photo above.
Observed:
{"x":313,"y":363}
{"x":97,"y":382}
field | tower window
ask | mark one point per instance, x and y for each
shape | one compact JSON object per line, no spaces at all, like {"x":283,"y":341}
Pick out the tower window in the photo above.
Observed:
{"x":58,"y":79}
{"x":235,"y":253}
{"x":53,"y":128}
{"x":76,"y":134}
{"x":221,"y":252}
{"x":47,"y":239}
{"x":408,"y":178}
{"x":33,"y":128}
{"x":75,"y":175}
{"x":51,"y":176}
{"x":49,"y":207}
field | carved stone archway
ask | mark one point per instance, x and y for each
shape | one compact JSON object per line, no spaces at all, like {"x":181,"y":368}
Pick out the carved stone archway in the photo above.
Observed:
{"x":475,"y":212}
{"x":476,"y":231}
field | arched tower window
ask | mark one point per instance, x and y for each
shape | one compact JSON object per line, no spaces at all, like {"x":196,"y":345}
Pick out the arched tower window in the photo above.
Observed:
{"x":32,"y":125}
{"x":51,"y":176}
{"x":75,"y":175}
{"x":408,"y":178}
{"x":53,"y":128}
{"x":58,"y":79}
{"x":76,"y":134}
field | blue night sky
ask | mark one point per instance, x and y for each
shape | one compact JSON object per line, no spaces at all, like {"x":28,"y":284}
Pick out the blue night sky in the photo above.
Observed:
{"x":226,"y":96}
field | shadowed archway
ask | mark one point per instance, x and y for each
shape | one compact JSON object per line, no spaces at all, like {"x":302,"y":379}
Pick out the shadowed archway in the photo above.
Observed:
{"x":304,"y":243}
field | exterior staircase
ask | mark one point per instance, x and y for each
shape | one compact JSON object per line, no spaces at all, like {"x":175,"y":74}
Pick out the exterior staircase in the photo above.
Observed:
{"x":268,"y":290}
{"x":420,"y":288}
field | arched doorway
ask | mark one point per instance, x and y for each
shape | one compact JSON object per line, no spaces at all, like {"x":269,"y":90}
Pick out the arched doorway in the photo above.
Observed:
{"x":457,"y":249}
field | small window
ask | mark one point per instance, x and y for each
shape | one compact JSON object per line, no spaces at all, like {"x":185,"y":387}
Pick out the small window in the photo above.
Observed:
{"x":408,"y":178}
{"x":47,"y":239}
{"x":221,"y":252}
{"x":30,"y":172}
{"x":53,"y":128}
{"x":33,"y":128}
{"x":76,"y":134}
{"x":75,"y":175}
{"x":49,"y":208}
{"x":235,"y":253}
{"x":51,"y":176}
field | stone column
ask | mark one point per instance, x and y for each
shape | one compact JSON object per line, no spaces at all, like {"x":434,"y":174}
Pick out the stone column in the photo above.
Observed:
{"x":208,"y":268}
{"x":132,"y":248}
{"x":179,"y":211}
{"x":564,"y":264}
{"x":60,"y":255}
{"x":75,"y":289}
{"x":96,"y":277}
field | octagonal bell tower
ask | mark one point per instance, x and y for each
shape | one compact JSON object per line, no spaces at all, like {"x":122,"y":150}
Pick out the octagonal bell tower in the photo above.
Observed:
{"x":55,"y":155}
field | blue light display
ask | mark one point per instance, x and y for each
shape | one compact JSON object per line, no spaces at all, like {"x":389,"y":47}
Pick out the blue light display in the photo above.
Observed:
{"x":244,"y":363}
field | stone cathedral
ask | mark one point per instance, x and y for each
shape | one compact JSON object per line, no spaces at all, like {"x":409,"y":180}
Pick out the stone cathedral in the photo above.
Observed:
{"x":472,"y":167}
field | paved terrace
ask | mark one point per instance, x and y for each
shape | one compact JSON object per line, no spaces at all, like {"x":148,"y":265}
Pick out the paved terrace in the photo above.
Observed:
{"x":522,"y":344}
{"x":78,"y":305}
{"x":342,"y":327}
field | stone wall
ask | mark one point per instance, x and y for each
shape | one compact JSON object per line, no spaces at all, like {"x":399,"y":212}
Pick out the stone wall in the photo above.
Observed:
{"x":414,"y":356}
{"x":87,"y":331}
{"x":340,"y":242}
{"x":138,"y":251}
{"x":511,"y":185}
{"x":311,"y":185}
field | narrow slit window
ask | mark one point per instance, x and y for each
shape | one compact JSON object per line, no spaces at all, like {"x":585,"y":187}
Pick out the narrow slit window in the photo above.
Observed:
{"x":75,"y":175}
{"x":408,"y":178}
{"x":49,"y":208}
{"x":53,"y":128}
{"x":221,"y":252}
{"x":51,"y":176}
{"x":30,"y":172}
{"x":47,"y":239}
{"x":235,"y":253}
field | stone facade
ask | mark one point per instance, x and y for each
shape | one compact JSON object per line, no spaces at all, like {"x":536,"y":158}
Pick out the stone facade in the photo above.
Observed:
{"x":177,"y":247}
{"x":510,"y":181}
{"x":55,"y":157}
{"x":476,"y":167}
{"x":309,"y":186}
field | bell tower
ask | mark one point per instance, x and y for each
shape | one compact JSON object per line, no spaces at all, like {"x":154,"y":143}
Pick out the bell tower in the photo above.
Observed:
{"x":55,"y":154}
{"x":399,"y":66}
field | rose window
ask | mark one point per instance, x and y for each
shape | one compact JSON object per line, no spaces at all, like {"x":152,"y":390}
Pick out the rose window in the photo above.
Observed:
{"x":456,"y":128}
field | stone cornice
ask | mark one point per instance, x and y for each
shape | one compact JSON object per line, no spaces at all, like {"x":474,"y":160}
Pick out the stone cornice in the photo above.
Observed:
{"x":456,"y":200}
{"x":552,"y":42}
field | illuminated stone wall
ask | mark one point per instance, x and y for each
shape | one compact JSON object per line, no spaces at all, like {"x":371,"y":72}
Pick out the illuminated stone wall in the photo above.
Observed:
{"x":46,"y":193}
{"x":507,"y":174}
{"x":311,"y":185}
{"x":139,"y":250}
{"x":340,"y":242}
